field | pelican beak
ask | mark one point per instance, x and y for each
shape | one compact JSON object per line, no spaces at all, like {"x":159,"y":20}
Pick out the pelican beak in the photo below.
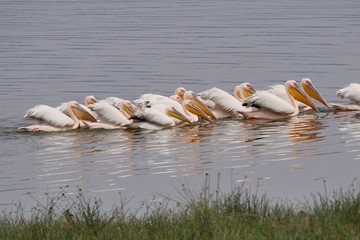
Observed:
{"x":203,"y":107}
{"x":128,"y":109}
{"x":191,"y":107}
{"x":172,"y":112}
{"x":237,"y":93}
{"x":180,"y":92}
{"x":299,"y":95}
{"x":312,"y":92}
{"x":248,"y":92}
{"x":83,"y":114}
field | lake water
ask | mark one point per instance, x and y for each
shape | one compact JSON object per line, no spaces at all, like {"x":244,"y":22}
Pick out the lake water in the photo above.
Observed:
{"x":56,"y":51}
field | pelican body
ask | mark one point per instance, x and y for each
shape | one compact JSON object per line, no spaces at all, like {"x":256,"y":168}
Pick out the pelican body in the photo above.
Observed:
{"x":52,"y":119}
{"x":351,"y":92}
{"x":222,"y":104}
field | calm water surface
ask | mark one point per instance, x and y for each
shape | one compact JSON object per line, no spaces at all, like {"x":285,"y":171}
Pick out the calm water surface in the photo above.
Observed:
{"x":53,"y":52}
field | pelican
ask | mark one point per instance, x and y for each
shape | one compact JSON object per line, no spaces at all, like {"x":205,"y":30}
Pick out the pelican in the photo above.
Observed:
{"x":190,"y":95}
{"x":51,"y":119}
{"x":222,"y":104}
{"x":244,"y":91}
{"x":182,"y":106}
{"x":90,"y":115}
{"x":158,"y":116}
{"x":161,"y":110}
{"x":180,"y":92}
{"x":110,"y":117}
{"x":351,"y":92}
{"x":307,"y":87}
{"x":272,"y":107}
{"x":90,"y":100}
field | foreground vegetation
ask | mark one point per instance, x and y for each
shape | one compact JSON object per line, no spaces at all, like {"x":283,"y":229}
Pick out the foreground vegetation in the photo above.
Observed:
{"x":238,"y":215}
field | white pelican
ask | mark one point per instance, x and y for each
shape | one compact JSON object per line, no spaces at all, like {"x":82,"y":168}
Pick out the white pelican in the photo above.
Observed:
{"x":90,"y":100}
{"x":158,"y":116}
{"x":222,"y":104}
{"x":110,"y":117}
{"x":180,"y":92}
{"x":351,"y":92}
{"x":51,"y":119}
{"x":307,"y":87}
{"x":244,"y":91}
{"x":273,"y":107}
{"x":91,"y":116}
{"x":183,"y":107}
{"x":162,"y":110}
{"x":190,"y":95}
{"x":191,"y":110}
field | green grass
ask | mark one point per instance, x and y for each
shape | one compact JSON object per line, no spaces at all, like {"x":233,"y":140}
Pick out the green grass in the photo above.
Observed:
{"x":240,"y":214}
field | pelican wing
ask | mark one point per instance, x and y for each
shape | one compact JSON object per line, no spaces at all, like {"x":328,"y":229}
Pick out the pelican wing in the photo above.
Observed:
{"x":222,"y":99}
{"x":148,"y":100}
{"x":109,"y":114}
{"x":49,"y":115}
{"x":158,"y":101}
{"x":154,"y":116}
{"x":114,"y":101}
{"x":266,"y":100}
{"x":352,"y":92}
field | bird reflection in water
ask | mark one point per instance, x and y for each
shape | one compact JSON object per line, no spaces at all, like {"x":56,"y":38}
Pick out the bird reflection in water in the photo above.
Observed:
{"x":306,"y":128}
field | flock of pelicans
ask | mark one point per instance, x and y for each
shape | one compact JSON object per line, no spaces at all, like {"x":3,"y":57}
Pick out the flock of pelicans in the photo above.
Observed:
{"x":152,"y":111}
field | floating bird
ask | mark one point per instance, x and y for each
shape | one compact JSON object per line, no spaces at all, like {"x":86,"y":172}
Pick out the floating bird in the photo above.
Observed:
{"x":51,"y":119}
{"x":273,"y":107}
{"x":180,"y":92}
{"x":244,"y":91}
{"x":309,"y":88}
{"x":190,"y":95}
{"x":158,"y":116}
{"x":110,"y":117}
{"x":351,"y":92}
{"x":90,"y":115}
{"x":223,"y":104}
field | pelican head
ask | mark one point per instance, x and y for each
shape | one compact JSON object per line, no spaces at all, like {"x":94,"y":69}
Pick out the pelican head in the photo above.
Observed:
{"x":180,"y":92}
{"x":309,"y":88}
{"x":190,"y":95}
{"x":127,"y":108}
{"x":177,"y":98}
{"x":244,"y":91}
{"x":294,"y":90}
{"x":191,"y":107}
{"x":172,"y":112}
{"x":80,"y":112}
{"x":90,"y":100}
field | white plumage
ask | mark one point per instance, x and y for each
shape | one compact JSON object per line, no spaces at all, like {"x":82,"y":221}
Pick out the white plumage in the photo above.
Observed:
{"x":271,"y":102}
{"x":271,"y":106}
{"x":221,"y":103}
{"x":51,"y":119}
{"x":109,"y":114}
{"x":159,"y":110}
{"x":351,"y":92}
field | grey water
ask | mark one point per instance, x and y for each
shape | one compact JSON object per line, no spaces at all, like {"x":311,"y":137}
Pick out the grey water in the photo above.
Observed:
{"x":56,"y":51}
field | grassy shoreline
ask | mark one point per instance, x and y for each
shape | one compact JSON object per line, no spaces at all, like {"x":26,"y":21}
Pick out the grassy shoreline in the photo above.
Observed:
{"x":240,"y":214}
